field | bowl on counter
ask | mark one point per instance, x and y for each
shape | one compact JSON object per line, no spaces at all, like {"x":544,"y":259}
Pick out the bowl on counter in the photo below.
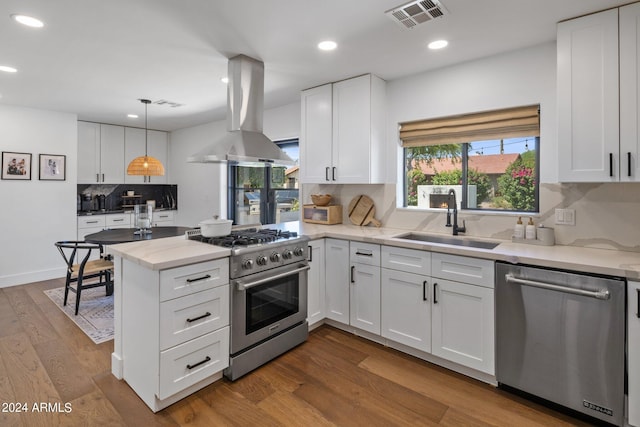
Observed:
{"x":321,"y":199}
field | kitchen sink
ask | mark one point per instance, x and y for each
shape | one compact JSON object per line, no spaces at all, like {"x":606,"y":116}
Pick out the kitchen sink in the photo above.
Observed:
{"x":449,"y":240}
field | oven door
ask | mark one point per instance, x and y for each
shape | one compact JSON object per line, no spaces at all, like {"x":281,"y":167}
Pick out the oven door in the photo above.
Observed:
{"x":267,"y":303}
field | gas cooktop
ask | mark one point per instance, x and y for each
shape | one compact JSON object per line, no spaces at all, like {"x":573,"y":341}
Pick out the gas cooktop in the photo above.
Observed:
{"x":245,"y":237}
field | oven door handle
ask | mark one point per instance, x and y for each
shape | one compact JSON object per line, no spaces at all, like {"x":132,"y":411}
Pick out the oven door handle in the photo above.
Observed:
{"x":243,"y":286}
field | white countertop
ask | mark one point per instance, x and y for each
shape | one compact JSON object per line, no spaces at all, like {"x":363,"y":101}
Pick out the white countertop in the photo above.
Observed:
{"x":588,"y":260}
{"x":171,"y":252}
{"x":160,"y":254}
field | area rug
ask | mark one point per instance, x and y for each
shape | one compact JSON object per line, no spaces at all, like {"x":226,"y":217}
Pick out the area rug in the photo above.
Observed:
{"x":95,"y":316}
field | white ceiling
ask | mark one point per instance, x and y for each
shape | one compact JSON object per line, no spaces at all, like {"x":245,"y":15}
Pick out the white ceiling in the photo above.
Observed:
{"x":96,"y":58}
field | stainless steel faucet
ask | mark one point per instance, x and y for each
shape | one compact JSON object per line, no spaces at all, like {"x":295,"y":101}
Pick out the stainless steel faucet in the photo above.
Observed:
{"x":456,"y":229}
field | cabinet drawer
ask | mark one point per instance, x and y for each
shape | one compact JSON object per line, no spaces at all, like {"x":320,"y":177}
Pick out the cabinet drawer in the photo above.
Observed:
{"x":409,"y":260}
{"x":193,"y":361}
{"x":188,"y":317}
{"x":364,"y":253}
{"x":163,"y":216}
{"x":463,"y":269}
{"x":181,"y":281}
{"x":118,"y":220}
{"x":91,"y":221}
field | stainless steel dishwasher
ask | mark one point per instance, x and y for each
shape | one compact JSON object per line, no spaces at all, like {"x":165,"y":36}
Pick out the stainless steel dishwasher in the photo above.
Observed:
{"x":561,"y":336}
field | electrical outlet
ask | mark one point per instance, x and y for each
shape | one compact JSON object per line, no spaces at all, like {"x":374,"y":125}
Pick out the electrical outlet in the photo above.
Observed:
{"x":565,"y":216}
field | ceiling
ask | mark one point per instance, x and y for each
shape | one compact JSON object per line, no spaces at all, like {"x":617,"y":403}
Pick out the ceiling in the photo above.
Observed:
{"x":96,"y":58}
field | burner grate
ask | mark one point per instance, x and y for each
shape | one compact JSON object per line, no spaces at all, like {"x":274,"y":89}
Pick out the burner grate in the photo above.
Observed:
{"x":244,"y":237}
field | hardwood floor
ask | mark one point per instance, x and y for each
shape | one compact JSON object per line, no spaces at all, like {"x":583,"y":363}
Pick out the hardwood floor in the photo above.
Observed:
{"x":334,"y":379}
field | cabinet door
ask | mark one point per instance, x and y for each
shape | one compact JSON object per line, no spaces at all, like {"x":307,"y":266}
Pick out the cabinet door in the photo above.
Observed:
{"x":365,"y":297}
{"x":352,"y":130}
{"x":316,"y":135}
{"x":316,"y":286}
{"x":337,"y":280}
{"x":588,"y":111}
{"x":88,"y":153}
{"x":633,"y":359}
{"x":133,"y":147}
{"x":463,"y":324}
{"x":630,"y":92}
{"x":406,"y":308}
{"x":112,"y":167}
{"x":158,"y":148}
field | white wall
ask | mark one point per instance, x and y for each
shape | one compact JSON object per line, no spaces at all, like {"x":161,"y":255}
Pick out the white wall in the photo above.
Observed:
{"x":36,"y":214}
{"x":202,"y":187}
{"x":523,"y":77}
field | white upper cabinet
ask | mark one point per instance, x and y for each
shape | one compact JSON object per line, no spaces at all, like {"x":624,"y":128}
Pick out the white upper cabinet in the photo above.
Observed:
{"x":316,"y":134}
{"x":630,"y":92}
{"x":343,"y":128}
{"x":598,"y":95}
{"x":134,"y":143}
{"x":100,"y":153}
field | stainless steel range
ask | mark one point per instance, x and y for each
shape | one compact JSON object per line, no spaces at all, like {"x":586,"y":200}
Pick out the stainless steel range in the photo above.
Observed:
{"x":268,"y":271}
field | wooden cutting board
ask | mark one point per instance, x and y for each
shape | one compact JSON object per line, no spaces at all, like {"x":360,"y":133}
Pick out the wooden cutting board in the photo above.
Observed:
{"x":362,"y":211}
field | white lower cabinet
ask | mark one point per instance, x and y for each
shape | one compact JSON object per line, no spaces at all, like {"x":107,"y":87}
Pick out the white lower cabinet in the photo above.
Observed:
{"x":440,"y":304}
{"x":364,"y":295}
{"x":337,"y":280}
{"x":316,"y":282}
{"x":364,"y":289}
{"x":463,"y":311}
{"x":163,"y":218}
{"x":633,"y":359}
{"x":463,"y":325}
{"x":406,"y":308}
{"x":177,"y":335}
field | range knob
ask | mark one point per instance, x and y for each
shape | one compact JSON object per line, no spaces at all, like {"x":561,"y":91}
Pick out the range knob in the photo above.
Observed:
{"x":261,"y":260}
{"x":298,"y":251}
{"x":287,"y":254}
{"x":275,"y":257}
{"x":247,"y":264}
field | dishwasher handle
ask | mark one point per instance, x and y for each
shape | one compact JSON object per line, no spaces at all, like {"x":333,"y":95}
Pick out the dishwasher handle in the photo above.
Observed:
{"x":602,"y":294}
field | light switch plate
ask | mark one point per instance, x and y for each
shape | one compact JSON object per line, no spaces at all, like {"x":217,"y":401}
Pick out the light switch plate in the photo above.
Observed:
{"x":565,"y":216}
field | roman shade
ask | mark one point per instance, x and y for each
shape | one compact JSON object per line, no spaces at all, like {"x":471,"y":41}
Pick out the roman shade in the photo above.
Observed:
{"x":496,"y":124}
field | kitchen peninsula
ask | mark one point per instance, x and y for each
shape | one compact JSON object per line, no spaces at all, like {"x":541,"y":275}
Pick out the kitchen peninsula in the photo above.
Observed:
{"x":154,"y":278}
{"x":157,"y":285}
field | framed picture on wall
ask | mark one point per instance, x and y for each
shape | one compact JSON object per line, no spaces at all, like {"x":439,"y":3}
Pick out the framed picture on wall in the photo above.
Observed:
{"x":16,"y":165}
{"x":53,"y":167}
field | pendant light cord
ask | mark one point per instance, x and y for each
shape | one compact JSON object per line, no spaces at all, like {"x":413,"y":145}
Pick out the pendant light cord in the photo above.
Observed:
{"x":146,"y":103}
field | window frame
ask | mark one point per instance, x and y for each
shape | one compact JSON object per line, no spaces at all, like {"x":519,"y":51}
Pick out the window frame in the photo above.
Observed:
{"x":464,"y":165}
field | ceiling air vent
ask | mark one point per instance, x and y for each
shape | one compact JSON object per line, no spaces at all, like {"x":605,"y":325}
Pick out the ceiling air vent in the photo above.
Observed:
{"x":416,"y":12}
{"x":168,"y":103}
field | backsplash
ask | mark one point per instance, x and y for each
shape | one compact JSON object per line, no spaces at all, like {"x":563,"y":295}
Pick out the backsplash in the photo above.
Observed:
{"x":607,"y":215}
{"x":116,"y":199}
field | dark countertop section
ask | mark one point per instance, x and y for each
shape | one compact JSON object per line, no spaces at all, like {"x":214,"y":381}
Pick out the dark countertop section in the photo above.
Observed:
{"x":108,"y":212}
{"x":124,"y":235}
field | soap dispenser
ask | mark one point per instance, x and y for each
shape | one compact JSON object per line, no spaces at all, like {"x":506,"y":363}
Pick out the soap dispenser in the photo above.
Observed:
{"x":530,"y":230}
{"x":518,"y":231}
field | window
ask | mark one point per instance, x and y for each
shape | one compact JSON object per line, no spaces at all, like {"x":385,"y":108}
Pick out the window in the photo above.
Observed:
{"x":264,"y":194}
{"x":490,"y":160}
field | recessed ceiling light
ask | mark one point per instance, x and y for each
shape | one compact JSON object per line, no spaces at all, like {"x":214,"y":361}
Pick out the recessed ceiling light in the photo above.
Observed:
{"x":224,"y":80}
{"x":132,"y":116}
{"x":327,"y":45}
{"x":7,"y":69}
{"x":29,"y":21}
{"x":438,"y":44}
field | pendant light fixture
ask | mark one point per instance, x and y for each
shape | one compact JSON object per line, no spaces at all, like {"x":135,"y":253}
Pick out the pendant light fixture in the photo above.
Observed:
{"x":145,"y":165}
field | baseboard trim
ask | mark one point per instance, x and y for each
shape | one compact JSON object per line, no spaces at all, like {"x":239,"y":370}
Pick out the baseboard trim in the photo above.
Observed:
{"x":32,"y":276}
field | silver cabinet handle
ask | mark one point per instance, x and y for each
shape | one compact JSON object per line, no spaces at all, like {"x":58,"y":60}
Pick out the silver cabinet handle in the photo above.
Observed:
{"x":600,"y":294}
{"x":243,"y":286}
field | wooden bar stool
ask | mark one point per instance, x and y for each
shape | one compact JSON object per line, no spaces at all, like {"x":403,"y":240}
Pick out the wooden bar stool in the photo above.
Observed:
{"x":82,"y":270}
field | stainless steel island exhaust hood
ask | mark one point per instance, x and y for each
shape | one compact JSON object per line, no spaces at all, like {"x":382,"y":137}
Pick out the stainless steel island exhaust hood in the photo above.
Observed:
{"x":245,"y":142}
